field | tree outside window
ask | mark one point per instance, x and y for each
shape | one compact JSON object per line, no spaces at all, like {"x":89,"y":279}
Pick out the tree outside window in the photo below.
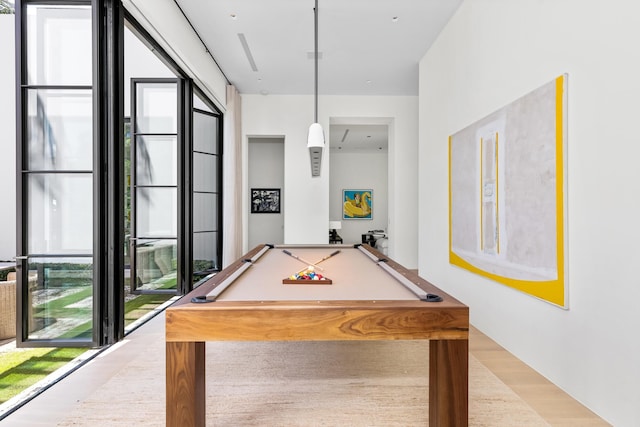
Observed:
{"x":6,"y":7}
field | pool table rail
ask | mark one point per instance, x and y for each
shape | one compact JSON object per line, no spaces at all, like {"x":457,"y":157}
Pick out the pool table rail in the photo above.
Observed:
{"x":315,"y":320}
{"x":429,"y":288}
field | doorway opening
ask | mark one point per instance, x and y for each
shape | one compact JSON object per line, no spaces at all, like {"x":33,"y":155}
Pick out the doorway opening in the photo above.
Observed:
{"x":358,"y":183}
{"x":266,"y":190}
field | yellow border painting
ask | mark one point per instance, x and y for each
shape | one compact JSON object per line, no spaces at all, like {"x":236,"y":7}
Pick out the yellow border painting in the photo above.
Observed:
{"x":507,"y":195}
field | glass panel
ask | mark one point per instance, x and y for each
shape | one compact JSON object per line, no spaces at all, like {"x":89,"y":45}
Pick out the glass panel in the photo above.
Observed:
{"x":156,"y":212}
{"x":60,"y":298}
{"x":139,"y":61}
{"x":200,"y":104}
{"x":205,"y":259}
{"x":205,"y":211}
{"x":205,"y":133}
{"x":205,"y":172}
{"x":156,"y":110}
{"x":156,"y":160}
{"x":214,"y":137}
{"x":60,"y":213}
{"x":59,"y":129}
{"x":59,"y":45}
{"x":127,"y":190}
{"x":156,"y":264}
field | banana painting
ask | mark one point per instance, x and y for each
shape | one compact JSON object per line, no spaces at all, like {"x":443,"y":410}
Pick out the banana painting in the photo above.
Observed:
{"x":357,"y":204}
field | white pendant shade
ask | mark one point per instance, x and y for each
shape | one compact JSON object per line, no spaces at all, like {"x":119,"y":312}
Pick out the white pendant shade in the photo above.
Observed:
{"x":316,"y":136}
{"x":315,"y":144}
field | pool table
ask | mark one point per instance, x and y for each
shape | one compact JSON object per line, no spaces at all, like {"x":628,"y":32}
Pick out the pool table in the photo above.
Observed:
{"x":369,"y":297}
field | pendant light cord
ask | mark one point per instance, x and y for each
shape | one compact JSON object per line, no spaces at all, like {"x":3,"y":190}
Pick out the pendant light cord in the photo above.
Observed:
{"x":315,"y":12}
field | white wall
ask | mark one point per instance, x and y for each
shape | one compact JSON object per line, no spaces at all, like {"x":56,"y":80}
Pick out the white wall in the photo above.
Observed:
{"x":7,"y":139}
{"x":306,"y":199}
{"x":266,"y":170}
{"x":491,"y":53}
{"x":359,"y":171}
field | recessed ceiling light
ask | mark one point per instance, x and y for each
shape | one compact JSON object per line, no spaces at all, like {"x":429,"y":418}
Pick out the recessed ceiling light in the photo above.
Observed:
{"x":368,"y":82}
{"x":394,"y":19}
{"x":233,"y":16}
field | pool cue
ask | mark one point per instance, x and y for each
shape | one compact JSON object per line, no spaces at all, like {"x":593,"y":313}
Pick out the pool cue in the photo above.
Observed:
{"x":328,"y":256}
{"x":301,"y":260}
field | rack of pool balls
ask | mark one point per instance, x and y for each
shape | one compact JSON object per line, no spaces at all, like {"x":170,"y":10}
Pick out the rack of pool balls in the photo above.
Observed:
{"x":308,"y":276}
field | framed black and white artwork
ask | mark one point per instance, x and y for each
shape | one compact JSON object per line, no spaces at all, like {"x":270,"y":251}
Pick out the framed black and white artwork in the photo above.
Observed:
{"x":265,"y":200}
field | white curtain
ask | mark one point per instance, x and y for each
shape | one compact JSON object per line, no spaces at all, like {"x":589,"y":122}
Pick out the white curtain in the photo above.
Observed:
{"x":232,"y":179}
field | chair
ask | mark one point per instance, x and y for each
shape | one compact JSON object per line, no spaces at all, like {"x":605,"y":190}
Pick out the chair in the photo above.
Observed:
{"x":7,"y":309}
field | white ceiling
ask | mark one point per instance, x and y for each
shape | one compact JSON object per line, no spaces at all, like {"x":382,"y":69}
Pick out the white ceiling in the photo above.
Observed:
{"x":354,"y":138}
{"x":368,"y":47}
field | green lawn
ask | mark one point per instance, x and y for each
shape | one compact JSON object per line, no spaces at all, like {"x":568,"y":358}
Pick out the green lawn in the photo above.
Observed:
{"x":22,"y":368}
{"x":141,"y":305}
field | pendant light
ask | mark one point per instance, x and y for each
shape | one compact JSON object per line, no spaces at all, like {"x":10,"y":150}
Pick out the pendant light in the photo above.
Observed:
{"x":315,"y":137}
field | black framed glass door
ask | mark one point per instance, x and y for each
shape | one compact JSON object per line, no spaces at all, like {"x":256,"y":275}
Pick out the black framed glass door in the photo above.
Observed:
{"x":207,"y":180}
{"x":156,"y":152}
{"x":66,"y":288}
{"x":56,"y":262}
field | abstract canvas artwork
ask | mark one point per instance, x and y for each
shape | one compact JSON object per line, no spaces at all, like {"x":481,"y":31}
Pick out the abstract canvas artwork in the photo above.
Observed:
{"x":507,"y":194}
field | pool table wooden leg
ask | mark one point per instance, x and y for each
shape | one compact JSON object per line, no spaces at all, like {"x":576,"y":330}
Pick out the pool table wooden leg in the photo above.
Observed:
{"x":448,"y":383}
{"x":185,"y":384}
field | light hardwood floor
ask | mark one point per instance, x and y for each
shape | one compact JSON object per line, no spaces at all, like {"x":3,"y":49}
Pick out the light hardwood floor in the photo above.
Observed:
{"x":553,"y":404}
